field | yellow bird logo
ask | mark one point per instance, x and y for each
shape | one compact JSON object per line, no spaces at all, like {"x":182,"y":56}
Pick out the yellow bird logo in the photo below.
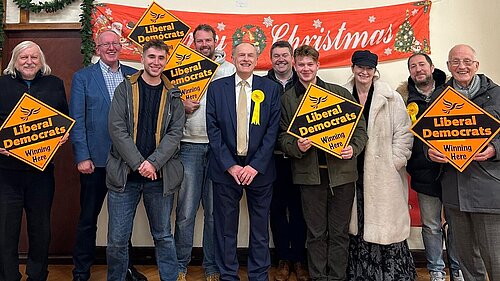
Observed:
{"x":155,"y":16}
{"x":317,"y":100}
{"x":28,"y":112}
{"x":451,"y":106}
{"x":181,"y":58}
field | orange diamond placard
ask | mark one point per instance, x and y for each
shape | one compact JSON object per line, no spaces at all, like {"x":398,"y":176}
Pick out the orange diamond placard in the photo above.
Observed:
{"x":190,"y":71}
{"x":32,"y":131}
{"x":326,"y":119}
{"x":456,"y":127}
{"x":158,"y":23}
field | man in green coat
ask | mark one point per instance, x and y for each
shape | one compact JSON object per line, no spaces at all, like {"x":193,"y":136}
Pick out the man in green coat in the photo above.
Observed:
{"x":326,"y":182}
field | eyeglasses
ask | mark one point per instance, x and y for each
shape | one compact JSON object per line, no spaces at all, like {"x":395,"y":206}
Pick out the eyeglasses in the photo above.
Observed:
{"x":107,"y":45}
{"x":466,"y":62}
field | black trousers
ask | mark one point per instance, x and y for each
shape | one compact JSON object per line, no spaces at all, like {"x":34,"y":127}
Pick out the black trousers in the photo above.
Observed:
{"x":92,"y":193}
{"x":327,"y":217}
{"x":287,"y":221}
{"x":33,"y":192}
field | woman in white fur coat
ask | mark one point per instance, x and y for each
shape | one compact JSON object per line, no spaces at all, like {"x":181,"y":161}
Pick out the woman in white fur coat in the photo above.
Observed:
{"x":379,"y":251}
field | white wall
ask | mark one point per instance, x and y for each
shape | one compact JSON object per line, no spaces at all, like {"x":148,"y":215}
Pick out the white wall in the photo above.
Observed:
{"x":451,"y":22}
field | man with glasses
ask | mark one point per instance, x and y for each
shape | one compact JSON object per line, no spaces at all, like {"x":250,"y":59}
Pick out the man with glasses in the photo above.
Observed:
{"x":472,"y":198}
{"x":92,"y":90}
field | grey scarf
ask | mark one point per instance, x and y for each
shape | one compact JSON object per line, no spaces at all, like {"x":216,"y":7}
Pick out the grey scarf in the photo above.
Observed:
{"x":471,"y":90}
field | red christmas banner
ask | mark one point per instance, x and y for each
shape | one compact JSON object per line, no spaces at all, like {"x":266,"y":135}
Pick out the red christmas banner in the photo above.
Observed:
{"x":392,"y":32}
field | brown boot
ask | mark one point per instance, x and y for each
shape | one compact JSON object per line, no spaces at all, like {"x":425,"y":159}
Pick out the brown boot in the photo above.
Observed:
{"x":301,"y":272}
{"x":283,"y":271}
{"x":181,"y":276}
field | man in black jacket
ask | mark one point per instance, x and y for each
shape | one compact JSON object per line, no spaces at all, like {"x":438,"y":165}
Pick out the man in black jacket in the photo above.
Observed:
{"x":424,"y":78}
{"x":286,"y":218}
{"x":22,"y":187}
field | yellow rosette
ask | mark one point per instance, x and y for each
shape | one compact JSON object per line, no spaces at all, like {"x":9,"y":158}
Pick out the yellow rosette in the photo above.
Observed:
{"x":257,"y":97}
{"x":412,"y":109}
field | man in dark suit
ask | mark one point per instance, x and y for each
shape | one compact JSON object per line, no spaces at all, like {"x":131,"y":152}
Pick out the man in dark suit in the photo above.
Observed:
{"x":243,"y":113}
{"x":91,"y":92}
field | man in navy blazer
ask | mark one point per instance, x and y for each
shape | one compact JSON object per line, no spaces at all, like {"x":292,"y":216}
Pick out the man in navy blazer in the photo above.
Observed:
{"x":237,"y":165}
{"x":92,"y":89}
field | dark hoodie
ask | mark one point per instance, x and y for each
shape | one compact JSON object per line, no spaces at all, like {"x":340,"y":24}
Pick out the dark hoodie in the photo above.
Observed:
{"x":424,"y":173}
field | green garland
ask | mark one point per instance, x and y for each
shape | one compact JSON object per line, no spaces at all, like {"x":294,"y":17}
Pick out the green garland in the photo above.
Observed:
{"x":47,"y":6}
{"x":88,"y":45}
{"x":87,"y":48}
{"x":2,"y":39}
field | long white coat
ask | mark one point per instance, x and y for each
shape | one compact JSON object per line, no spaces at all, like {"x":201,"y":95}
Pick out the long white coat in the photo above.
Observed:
{"x":386,"y":213}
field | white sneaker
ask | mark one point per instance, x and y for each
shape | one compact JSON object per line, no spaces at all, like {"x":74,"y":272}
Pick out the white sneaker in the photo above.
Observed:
{"x":437,"y":276}
{"x":457,"y":276}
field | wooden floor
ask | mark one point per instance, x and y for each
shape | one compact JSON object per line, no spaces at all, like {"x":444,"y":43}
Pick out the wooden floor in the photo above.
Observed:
{"x":195,"y":273}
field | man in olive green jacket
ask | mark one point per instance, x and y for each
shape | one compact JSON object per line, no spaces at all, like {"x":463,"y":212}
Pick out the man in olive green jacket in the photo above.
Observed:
{"x":326,"y":182}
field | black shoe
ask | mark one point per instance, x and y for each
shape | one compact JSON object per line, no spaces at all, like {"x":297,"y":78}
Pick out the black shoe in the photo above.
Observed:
{"x":134,"y":275}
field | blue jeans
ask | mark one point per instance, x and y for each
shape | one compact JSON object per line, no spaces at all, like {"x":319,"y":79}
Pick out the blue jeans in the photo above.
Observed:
{"x":196,"y":186}
{"x":432,"y":234}
{"x":121,"y":212}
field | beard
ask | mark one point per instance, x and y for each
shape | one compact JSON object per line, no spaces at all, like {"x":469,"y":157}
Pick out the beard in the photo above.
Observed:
{"x":211,"y":52}
{"x":423,"y":83}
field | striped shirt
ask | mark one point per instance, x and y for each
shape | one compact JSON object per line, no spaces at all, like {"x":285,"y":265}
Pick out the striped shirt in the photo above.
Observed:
{"x":112,"y":78}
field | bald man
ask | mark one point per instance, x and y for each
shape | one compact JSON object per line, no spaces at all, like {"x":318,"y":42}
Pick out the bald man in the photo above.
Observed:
{"x":472,"y":197}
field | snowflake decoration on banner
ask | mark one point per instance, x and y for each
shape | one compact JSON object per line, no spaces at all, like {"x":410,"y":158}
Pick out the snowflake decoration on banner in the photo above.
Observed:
{"x":268,"y":21}
{"x":317,"y":23}
{"x":372,"y":19}
{"x":388,"y":51}
{"x":414,"y":12}
{"x":109,"y":12}
{"x":221,"y":26}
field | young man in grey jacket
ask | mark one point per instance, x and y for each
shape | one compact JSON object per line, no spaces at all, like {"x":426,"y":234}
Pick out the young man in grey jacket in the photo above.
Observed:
{"x":145,"y":125}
